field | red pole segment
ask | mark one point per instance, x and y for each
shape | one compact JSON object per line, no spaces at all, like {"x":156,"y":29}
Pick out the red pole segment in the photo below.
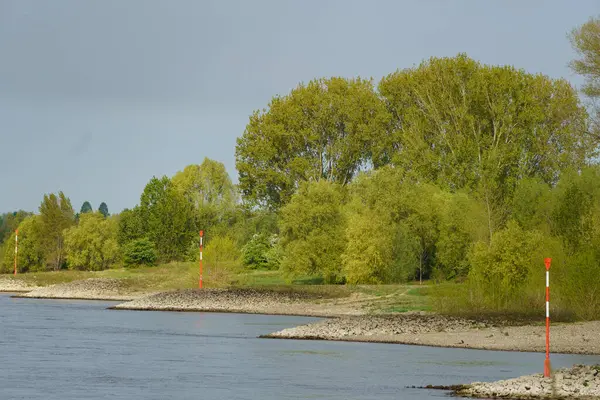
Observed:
{"x":547,"y":261}
{"x":16,"y":248}
{"x":201,"y":247}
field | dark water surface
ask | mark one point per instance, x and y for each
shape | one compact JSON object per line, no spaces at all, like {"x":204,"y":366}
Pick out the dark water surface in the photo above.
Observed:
{"x":70,"y":350}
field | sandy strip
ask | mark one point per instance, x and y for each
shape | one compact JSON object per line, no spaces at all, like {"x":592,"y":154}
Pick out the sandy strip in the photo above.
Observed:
{"x":88,"y":289}
{"x":576,"y":338}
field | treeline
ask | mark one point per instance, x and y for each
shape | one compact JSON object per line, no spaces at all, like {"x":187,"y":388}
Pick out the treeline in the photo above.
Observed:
{"x":451,"y":170}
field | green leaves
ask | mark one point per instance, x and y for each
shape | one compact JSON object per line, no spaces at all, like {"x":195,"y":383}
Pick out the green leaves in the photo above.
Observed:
{"x":92,"y":244}
{"x":320,"y":131}
{"x":312,"y":231}
{"x":139,"y":252}
{"x":167,"y":219}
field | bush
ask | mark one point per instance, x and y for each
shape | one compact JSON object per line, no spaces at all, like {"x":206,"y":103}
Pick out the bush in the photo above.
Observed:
{"x":139,"y":252}
{"x":222,"y":260}
{"x":261,"y":252}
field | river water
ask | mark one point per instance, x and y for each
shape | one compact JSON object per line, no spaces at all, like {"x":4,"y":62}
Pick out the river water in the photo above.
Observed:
{"x":71,"y":350}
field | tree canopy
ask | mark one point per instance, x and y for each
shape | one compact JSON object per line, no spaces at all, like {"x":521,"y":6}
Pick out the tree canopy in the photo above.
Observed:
{"x":322,"y":130}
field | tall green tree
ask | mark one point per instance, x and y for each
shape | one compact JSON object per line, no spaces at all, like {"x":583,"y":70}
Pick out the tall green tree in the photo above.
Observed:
{"x":131,"y":226}
{"x":103,"y":209}
{"x":167,"y":219}
{"x":312,"y":231}
{"x":9,"y":222}
{"x":323,"y":130}
{"x":586,"y":42}
{"x":460,"y":124}
{"x":92,"y":244}
{"x":56,"y":215}
{"x":86,"y":207}
{"x":208,"y":188}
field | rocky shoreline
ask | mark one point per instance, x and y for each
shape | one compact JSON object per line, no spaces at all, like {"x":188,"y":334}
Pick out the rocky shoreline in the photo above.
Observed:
{"x":14,"y":285}
{"x":239,"y":300}
{"x":88,"y":289}
{"x":578,"y":382}
{"x":440,"y":331}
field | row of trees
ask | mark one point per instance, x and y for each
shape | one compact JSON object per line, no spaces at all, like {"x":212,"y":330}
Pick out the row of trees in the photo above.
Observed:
{"x":448,"y":170}
{"x":56,"y":237}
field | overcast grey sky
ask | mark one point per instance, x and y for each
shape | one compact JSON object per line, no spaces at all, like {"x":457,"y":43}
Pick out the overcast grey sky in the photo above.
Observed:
{"x":98,"y":96}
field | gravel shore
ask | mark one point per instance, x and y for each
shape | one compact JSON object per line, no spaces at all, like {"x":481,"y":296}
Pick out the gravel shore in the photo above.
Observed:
{"x":434,"y":330}
{"x":88,"y":289}
{"x":14,"y":285}
{"x":579,"y":382}
{"x":237,"y":300}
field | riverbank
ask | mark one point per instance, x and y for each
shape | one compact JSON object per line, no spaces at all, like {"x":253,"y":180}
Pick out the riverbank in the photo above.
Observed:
{"x":243,"y":300}
{"x":440,"y":331}
{"x":88,"y":289}
{"x":578,"y":382}
{"x":14,"y":285}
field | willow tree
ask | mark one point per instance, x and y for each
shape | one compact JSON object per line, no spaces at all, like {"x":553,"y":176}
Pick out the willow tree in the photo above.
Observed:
{"x":322,"y":130}
{"x":460,"y":124}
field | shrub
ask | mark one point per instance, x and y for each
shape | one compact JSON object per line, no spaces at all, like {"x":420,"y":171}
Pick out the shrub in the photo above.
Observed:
{"x":222,"y":260}
{"x":139,"y":252}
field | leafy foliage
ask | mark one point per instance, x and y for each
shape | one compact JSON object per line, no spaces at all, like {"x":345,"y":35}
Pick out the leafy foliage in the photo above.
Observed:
{"x":56,"y":215}
{"x":167,"y":219}
{"x":262,"y":252}
{"x":312,"y":231}
{"x":320,"y":131}
{"x":92,"y":244}
{"x":31,"y":253}
{"x":139,"y":252}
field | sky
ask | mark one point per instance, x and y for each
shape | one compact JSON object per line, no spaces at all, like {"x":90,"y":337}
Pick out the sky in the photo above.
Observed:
{"x":98,"y":96}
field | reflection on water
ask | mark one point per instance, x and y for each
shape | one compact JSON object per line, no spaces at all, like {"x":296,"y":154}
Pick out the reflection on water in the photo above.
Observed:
{"x":67,"y":350}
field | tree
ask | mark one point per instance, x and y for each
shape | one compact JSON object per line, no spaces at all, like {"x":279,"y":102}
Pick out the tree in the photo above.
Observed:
{"x":31,"y":253}
{"x":312,"y":229}
{"x":208,"y":188}
{"x":91,"y":245}
{"x":9,"y":222}
{"x":56,"y":214}
{"x":460,"y":124}
{"x":103,"y":209}
{"x":131,"y":226}
{"x":139,"y":252}
{"x":167,"y":219}
{"x":323,"y":130}
{"x":501,"y":271}
{"x":86,"y":207}
{"x":586,"y":42}
{"x":261,"y":252}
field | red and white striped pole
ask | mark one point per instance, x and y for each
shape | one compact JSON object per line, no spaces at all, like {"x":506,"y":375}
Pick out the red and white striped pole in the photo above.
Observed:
{"x":547,"y":261}
{"x":16,"y":248}
{"x":201,"y":247}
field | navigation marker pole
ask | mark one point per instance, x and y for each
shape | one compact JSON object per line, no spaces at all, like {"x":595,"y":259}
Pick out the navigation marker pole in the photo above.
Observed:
{"x":201,"y":247}
{"x":547,"y":261}
{"x":16,"y":248}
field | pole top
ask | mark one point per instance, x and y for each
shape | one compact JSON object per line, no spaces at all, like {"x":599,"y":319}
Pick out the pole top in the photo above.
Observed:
{"x":201,"y":233}
{"x":547,"y":261}
{"x":17,"y":231}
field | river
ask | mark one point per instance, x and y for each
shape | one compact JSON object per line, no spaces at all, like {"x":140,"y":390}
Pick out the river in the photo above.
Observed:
{"x":72,"y":350}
